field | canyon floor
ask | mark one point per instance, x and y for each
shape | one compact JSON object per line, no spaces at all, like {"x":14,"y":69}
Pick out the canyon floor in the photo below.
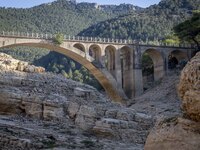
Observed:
{"x":160,"y":101}
{"x":40,"y":110}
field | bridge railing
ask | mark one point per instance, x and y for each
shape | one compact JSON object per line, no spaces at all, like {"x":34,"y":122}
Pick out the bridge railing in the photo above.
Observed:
{"x":88,"y":39}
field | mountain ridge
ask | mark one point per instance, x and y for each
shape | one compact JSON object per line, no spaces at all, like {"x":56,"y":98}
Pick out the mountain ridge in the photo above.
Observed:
{"x":61,"y":16}
{"x":152,"y":23}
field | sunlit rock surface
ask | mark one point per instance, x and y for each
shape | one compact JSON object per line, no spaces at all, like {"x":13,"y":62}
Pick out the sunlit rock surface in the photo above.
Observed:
{"x":40,"y":110}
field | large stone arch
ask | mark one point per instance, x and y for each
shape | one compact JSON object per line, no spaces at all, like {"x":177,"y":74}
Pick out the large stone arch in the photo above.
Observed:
{"x":177,"y":57}
{"x":113,"y":92}
{"x":80,"y":47}
{"x":158,"y":63}
{"x":127,"y":74}
{"x":110,"y":59}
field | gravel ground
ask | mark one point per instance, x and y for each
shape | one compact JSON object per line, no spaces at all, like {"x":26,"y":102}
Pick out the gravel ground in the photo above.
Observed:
{"x":161,"y":100}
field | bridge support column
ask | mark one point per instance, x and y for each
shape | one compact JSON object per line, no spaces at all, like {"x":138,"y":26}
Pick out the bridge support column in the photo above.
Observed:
{"x":129,"y":83}
{"x":138,"y":80}
{"x":166,"y":65}
{"x":158,"y":72}
{"x":118,"y":71}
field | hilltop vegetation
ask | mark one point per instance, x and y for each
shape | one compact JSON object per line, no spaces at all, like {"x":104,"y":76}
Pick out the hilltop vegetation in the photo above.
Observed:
{"x":60,"y":16}
{"x":151,"y":24}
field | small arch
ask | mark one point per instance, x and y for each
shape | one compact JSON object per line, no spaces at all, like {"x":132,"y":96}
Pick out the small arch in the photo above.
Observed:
{"x":156,"y":63}
{"x":95,"y":52}
{"x":126,"y":71}
{"x":177,"y":58}
{"x":110,"y":52}
{"x":79,"y":46}
{"x":147,"y":71}
{"x":125,"y":55}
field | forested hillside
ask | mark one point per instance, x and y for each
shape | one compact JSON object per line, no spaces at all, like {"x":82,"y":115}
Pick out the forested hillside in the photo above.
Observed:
{"x":153,"y":23}
{"x":59,"y":16}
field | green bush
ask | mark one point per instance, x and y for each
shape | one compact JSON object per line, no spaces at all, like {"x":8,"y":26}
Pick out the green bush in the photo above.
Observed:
{"x":58,"y":39}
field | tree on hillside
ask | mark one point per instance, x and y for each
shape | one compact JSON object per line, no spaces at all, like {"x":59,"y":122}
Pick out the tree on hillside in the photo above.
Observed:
{"x":172,"y":39}
{"x":189,"y":30}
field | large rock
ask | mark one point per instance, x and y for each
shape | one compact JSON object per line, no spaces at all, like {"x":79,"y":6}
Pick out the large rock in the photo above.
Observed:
{"x":189,"y":88}
{"x":86,"y":117}
{"x":10,"y":100}
{"x":174,"y":134}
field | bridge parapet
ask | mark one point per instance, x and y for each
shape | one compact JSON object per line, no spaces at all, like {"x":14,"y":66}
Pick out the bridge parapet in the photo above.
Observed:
{"x":66,"y":38}
{"x":89,"y":39}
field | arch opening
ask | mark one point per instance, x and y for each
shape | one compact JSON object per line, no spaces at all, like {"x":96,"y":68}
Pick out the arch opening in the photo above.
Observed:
{"x":152,"y":67}
{"x":110,"y":59}
{"x":74,"y":54}
{"x":126,"y":70}
{"x":80,"y":46}
{"x":177,"y":59}
{"x":147,"y":71}
{"x":95,"y":52}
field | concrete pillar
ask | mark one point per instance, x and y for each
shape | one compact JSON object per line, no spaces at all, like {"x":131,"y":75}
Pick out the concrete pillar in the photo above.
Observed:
{"x":118,"y":71}
{"x":87,"y":52}
{"x":159,"y":68}
{"x":158,"y":72}
{"x":166,"y":60}
{"x":128,"y":83}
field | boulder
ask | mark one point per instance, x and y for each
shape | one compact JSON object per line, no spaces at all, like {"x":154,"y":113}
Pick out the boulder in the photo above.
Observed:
{"x":79,"y":92}
{"x":10,"y":101}
{"x":174,"y":134}
{"x":189,"y":88}
{"x":86,"y":117}
{"x":33,"y":109}
{"x":73,"y":109}
{"x":52,"y":111}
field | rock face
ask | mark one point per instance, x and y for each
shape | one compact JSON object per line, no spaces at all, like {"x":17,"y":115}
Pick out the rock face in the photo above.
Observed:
{"x":9,"y":63}
{"x":180,"y":133}
{"x":189,"y":88}
{"x":49,"y":97}
{"x":174,"y":134}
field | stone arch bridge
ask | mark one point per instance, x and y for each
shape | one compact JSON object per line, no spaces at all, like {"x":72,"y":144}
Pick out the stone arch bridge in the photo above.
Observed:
{"x":116,"y":64}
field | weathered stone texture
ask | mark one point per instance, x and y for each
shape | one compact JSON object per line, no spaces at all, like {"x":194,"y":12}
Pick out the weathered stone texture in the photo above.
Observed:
{"x":189,"y":88}
{"x":174,"y":134}
{"x":9,"y":63}
{"x":46,"y":96}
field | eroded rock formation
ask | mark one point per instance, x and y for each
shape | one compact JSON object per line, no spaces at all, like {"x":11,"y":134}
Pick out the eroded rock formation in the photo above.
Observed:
{"x":9,"y":63}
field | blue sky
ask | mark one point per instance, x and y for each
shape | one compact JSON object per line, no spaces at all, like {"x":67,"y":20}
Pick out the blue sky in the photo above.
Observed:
{"x":30,"y":3}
